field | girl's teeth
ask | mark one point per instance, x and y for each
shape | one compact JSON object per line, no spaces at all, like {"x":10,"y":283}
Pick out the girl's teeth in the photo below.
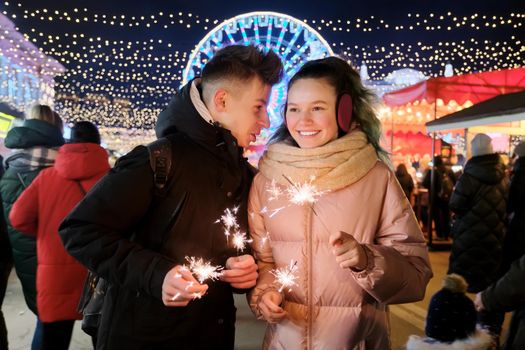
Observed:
{"x":308,"y":133}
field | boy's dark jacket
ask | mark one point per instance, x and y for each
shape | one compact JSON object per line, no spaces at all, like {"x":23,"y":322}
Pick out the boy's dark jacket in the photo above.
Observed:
{"x":208,"y":175}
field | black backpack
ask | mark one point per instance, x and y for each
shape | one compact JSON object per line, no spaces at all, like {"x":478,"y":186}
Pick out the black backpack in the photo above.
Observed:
{"x":92,"y":299}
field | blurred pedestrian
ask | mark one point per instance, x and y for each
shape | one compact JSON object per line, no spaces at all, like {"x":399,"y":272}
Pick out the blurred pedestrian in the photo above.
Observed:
{"x":508,"y":294}
{"x":444,"y":181}
{"x":514,"y":246}
{"x":39,"y":211}
{"x":6,"y":264}
{"x":406,"y":181}
{"x":35,"y":146}
{"x":479,"y":202}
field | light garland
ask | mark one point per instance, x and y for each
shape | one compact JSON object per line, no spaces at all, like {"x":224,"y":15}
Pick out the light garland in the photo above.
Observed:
{"x":126,"y":83}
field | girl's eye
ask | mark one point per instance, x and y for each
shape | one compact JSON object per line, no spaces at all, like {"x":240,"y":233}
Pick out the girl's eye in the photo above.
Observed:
{"x":292,"y":109}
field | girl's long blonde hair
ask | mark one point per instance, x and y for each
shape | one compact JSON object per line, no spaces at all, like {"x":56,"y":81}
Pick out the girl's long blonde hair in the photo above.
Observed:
{"x":45,"y":113}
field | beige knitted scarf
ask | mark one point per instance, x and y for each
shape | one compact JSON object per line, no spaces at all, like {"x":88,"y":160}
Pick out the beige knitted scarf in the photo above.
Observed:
{"x":330,"y":167}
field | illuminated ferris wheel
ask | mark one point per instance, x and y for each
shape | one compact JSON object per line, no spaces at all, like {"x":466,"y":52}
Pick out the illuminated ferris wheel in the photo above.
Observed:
{"x":294,"y":41}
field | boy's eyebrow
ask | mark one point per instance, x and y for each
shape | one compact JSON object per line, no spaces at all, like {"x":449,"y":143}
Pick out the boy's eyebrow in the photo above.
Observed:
{"x":261,"y":100}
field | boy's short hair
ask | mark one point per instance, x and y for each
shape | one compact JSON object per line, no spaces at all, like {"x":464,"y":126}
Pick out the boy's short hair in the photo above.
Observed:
{"x":239,"y":62}
{"x":85,"y":132}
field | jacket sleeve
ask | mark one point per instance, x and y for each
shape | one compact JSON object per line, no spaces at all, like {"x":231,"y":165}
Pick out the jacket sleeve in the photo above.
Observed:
{"x":508,"y":293}
{"x":24,"y":213}
{"x":97,"y":232}
{"x":463,"y":193}
{"x":398,"y":268}
{"x":516,"y":192}
{"x":261,"y":248}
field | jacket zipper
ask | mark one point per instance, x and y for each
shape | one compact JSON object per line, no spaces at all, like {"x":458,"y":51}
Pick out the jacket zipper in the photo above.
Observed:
{"x":310,"y":283}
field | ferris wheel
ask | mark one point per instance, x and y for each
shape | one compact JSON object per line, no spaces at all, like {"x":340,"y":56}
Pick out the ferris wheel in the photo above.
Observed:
{"x":293,"y":40}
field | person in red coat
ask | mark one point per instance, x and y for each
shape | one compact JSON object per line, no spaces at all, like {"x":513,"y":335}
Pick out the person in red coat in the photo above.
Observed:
{"x":39,"y":211}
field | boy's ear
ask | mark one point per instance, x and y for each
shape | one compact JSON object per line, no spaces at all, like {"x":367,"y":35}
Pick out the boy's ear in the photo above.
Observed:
{"x":219,"y":99}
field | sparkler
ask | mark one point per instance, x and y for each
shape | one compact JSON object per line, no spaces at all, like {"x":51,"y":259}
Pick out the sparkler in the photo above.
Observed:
{"x":231,"y":229}
{"x":305,"y":193}
{"x":229,"y":221}
{"x":302,"y":193}
{"x":285,"y":276}
{"x":203,"y":270}
{"x":239,"y":240}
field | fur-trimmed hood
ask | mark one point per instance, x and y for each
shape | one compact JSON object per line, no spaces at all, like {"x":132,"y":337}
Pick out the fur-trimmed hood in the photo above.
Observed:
{"x":480,"y":340}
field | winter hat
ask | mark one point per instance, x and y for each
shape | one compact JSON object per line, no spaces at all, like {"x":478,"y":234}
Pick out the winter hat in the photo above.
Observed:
{"x":481,"y":144}
{"x":451,"y":321}
{"x":85,"y":132}
{"x":451,"y":314}
{"x":520,"y":149}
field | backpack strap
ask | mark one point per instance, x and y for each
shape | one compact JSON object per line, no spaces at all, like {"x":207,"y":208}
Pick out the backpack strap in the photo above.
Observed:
{"x":160,"y":159}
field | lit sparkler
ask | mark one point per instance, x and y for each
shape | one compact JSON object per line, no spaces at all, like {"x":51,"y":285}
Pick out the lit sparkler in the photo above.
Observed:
{"x":239,"y":240}
{"x":229,"y":221}
{"x":305,"y":193}
{"x":302,"y":193}
{"x":286,"y":276}
{"x":203,"y":270}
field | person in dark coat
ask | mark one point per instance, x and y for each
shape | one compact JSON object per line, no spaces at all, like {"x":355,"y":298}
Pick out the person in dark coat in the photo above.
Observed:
{"x":444,"y":180}
{"x":479,"y":202}
{"x":35,"y":145}
{"x":139,"y":242}
{"x":405,"y":180}
{"x":6,"y":264}
{"x":38,"y":212}
{"x":514,"y":246}
{"x":508,"y":294}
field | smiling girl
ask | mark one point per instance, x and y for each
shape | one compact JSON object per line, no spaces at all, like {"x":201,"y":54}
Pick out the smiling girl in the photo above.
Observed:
{"x":358,"y":247}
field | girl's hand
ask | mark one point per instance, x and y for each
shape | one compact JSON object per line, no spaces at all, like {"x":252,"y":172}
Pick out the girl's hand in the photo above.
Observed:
{"x":269,"y":306}
{"x":348,"y":252}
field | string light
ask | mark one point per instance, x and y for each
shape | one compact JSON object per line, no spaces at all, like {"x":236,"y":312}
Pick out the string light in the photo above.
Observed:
{"x":121,"y":84}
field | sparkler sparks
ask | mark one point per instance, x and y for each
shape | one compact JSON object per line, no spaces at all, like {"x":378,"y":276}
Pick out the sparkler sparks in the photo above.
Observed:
{"x":229,"y":220}
{"x":305,"y":193}
{"x":239,"y":240}
{"x":264,"y":239}
{"x":231,"y":229}
{"x":286,"y":276}
{"x":274,"y":191}
{"x":203,"y":270}
{"x":302,"y":193}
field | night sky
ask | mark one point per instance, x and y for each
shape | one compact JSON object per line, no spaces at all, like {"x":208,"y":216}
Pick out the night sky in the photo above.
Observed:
{"x":141,"y":61}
